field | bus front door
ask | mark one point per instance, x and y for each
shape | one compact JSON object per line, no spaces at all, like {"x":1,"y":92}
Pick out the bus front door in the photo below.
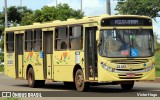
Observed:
{"x":19,"y":55}
{"x":48,"y":53}
{"x":90,"y":53}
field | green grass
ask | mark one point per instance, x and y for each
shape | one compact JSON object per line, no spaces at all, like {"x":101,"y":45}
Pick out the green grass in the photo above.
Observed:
{"x":9,"y":98}
{"x":1,"y":68}
{"x":157,"y":62}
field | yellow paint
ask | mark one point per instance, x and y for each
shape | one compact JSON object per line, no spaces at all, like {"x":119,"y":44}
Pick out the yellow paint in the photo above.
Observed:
{"x":20,"y":70}
{"x":9,"y":64}
{"x":19,"y":32}
{"x":49,"y":66}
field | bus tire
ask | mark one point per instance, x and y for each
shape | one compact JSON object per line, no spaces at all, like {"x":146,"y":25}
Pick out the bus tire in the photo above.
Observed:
{"x":128,"y":85}
{"x":81,"y":86}
{"x":31,"y":78}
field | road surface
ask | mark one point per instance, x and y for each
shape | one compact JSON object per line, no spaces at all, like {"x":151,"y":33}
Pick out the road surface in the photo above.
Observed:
{"x":142,"y":89}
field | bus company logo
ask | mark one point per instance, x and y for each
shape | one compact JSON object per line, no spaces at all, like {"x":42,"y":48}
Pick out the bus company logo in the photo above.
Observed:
{"x":131,"y":69}
{"x":6,"y":94}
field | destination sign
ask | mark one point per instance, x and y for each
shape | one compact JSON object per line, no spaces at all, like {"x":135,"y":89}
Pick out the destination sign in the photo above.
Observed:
{"x":126,"y":22}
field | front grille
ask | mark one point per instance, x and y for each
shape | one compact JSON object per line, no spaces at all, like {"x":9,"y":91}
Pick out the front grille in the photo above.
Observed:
{"x":130,"y":70}
{"x":130,"y":61}
{"x":126,"y":75}
{"x":130,"y":77}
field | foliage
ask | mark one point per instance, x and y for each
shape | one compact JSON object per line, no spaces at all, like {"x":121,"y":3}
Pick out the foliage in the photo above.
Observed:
{"x":157,"y":63}
{"x":27,"y":19}
{"x":15,"y":14}
{"x":11,"y":98}
{"x":1,"y":68}
{"x":1,"y":57}
{"x":61,"y":12}
{"x":140,"y":7}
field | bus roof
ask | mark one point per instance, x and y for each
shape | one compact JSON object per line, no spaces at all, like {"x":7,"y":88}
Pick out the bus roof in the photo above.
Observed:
{"x":70,"y":21}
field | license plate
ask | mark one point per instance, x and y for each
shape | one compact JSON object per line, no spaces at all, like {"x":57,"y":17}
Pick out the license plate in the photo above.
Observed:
{"x":131,"y":75}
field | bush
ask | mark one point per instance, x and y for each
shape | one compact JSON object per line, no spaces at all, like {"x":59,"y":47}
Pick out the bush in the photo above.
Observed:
{"x":1,"y":68}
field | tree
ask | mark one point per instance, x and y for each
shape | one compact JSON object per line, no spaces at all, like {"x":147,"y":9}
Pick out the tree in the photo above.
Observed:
{"x":27,"y":19}
{"x":61,"y":12}
{"x":140,"y":7}
{"x":15,"y":14}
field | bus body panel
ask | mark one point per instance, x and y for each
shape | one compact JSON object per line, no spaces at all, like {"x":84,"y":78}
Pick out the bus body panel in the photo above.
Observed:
{"x":34,"y":59}
{"x":20,"y":66}
{"x":64,"y":63}
{"x":49,"y":66}
{"x":9,"y":69}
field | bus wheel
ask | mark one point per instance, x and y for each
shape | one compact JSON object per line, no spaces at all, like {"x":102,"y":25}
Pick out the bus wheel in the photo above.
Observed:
{"x":128,"y":85}
{"x":79,"y":81}
{"x":31,"y":78}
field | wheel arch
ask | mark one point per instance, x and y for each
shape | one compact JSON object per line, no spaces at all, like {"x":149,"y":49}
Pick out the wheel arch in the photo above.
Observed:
{"x":28,"y":67}
{"x":76,"y":67}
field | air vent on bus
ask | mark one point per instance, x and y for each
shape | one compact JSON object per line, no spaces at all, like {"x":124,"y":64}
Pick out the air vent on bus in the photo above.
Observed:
{"x":130,"y":77}
{"x":130,"y":61}
{"x":130,"y":70}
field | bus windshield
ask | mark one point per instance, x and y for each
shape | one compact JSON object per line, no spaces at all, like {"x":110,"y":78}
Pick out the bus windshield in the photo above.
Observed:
{"x":127,"y":43}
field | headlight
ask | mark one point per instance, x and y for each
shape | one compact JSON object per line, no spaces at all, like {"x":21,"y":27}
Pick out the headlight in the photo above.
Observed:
{"x":149,"y":68}
{"x":107,"y":67}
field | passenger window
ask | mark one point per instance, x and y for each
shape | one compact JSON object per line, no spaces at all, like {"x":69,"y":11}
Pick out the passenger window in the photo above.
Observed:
{"x":33,"y":40}
{"x":61,"y":40}
{"x":75,"y":37}
{"x":28,"y":40}
{"x":10,"y":42}
{"x":37,"y":40}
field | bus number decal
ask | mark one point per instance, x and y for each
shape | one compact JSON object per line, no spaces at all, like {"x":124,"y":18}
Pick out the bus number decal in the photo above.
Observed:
{"x":121,"y":66}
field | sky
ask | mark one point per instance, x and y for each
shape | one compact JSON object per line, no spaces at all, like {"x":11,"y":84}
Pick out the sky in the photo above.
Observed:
{"x":90,"y":7}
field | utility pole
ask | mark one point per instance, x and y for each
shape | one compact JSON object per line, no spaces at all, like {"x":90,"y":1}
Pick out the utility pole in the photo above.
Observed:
{"x":20,"y":3}
{"x":108,"y":7}
{"x":5,"y":11}
{"x":81,"y":7}
{"x":56,"y":3}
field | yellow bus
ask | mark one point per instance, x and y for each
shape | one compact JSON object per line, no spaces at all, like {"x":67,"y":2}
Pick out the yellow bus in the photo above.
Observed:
{"x":117,"y":49}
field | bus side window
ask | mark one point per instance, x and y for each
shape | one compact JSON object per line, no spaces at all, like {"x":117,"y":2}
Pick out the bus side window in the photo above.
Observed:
{"x":10,"y":42}
{"x":75,"y":37}
{"x":28,"y":40}
{"x":61,"y":39}
{"x":37,"y":40}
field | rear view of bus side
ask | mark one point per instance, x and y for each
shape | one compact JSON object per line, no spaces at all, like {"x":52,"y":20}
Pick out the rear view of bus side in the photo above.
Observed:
{"x":96,"y":50}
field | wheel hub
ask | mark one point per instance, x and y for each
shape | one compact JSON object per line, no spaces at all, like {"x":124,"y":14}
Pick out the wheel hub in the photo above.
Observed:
{"x":79,"y":80}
